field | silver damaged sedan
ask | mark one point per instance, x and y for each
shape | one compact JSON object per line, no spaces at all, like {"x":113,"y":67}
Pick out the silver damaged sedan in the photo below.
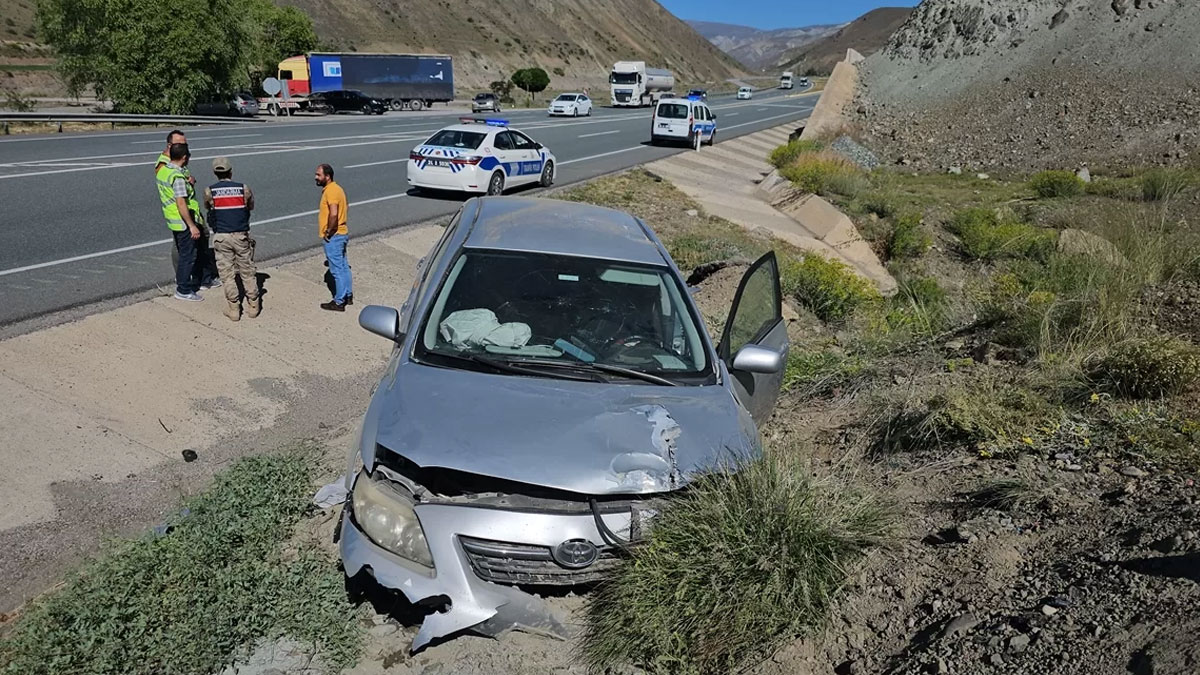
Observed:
{"x":551,"y":381}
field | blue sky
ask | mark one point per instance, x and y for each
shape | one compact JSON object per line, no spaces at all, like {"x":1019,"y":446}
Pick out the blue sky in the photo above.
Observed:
{"x":774,"y":13}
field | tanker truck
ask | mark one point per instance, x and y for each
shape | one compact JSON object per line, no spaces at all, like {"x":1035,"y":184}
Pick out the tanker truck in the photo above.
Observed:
{"x":634,"y":85}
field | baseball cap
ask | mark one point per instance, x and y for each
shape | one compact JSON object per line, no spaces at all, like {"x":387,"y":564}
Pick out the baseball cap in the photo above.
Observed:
{"x":222,"y":164}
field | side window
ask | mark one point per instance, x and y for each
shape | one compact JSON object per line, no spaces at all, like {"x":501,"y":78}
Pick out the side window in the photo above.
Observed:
{"x":422,"y":276}
{"x":504,"y":141}
{"x":521,"y":141}
{"x":286,"y":75}
{"x":757,"y":307}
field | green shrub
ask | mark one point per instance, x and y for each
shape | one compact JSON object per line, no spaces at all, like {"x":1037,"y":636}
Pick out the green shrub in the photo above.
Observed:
{"x":987,"y":235}
{"x":824,"y":173}
{"x":908,"y":238}
{"x":1147,"y":367}
{"x":1056,"y":184}
{"x":190,"y":600}
{"x":829,"y":288}
{"x":1115,"y":188}
{"x":786,"y":154}
{"x":749,"y":558}
{"x":691,"y":250}
{"x":1163,"y":184}
{"x":882,"y":204}
{"x":988,"y":414}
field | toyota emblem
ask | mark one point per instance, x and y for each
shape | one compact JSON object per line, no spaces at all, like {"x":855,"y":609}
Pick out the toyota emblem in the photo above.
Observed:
{"x":575,"y":554}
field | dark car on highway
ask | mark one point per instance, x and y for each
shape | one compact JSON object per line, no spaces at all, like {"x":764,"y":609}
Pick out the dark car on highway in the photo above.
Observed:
{"x":346,"y":100}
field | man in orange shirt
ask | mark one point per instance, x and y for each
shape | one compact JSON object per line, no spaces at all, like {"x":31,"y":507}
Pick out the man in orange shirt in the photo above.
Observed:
{"x":332,"y":224}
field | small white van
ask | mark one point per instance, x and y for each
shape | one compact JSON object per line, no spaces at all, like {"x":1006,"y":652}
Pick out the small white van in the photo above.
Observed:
{"x":745,"y":93}
{"x":687,"y":120}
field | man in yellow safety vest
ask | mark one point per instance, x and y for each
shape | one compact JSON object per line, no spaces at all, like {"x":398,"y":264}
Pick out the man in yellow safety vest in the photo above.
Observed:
{"x":179,"y":203}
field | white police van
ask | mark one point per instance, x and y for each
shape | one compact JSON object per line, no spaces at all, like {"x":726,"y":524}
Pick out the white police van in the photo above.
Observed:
{"x":686,"y":120}
{"x":479,"y":155}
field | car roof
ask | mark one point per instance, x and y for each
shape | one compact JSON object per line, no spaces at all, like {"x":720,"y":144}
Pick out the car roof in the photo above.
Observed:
{"x":565,"y":228}
{"x":477,"y":128}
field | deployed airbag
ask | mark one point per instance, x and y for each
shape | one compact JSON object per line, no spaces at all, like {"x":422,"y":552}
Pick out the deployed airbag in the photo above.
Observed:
{"x":480,"y":328}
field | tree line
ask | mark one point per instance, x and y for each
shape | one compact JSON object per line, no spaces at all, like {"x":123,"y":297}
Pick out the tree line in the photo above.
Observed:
{"x":164,"y":56}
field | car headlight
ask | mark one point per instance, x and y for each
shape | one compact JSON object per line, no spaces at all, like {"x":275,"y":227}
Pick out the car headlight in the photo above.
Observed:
{"x":387,"y":516}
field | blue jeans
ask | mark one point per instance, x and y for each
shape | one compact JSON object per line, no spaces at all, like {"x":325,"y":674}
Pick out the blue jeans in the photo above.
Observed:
{"x":186,"y":278}
{"x":335,"y":253}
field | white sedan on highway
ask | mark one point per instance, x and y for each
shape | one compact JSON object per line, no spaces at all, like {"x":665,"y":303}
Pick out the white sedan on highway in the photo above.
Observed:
{"x":480,"y":155}
{"x":571,"y":104}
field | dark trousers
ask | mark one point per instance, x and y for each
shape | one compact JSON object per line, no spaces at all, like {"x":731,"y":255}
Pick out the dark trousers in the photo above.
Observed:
{"x":186,"y":280}
{"x":206,"y":260}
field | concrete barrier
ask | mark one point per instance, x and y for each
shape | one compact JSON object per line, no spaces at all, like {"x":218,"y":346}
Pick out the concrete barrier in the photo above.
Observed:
{"x":839,"y":92}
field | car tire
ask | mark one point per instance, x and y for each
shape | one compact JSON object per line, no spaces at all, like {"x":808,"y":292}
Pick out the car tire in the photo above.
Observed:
{"x":695,"y":140}
{"x":589,"y":114}
{"x":415,"y":105}
{"x":711,"y":139}
{"x":495,"y":186}
{"x":366,"y":110}
{"x":574,"y":112}
{"x":396,"y":104}
{"x":547,"y":178}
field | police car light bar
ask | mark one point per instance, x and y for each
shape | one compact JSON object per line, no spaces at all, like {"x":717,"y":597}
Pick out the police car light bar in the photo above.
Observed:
{"x":693,"y":98}
{"x":480,"y":120}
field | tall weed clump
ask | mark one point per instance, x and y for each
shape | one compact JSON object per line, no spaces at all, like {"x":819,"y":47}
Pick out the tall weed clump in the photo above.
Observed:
{"x":787,"y":153}
{"x":1149,"y":367}
{"x":1164,"y":184}
{"x":749,"y":557}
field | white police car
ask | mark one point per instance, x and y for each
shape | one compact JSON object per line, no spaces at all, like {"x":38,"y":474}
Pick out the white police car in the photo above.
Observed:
{"x":683,"y":119}
{"x":479,"y":155}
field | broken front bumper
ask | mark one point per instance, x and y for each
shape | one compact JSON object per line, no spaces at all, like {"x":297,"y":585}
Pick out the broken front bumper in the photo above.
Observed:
{"x":470,"y":544}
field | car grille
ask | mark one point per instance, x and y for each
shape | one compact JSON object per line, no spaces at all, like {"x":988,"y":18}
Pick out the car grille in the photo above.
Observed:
{"x":507,"y":563}
{"x":623,"y":96}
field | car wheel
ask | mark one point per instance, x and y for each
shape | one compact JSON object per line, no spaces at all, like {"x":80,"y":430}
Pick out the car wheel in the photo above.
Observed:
{"x":397,"y":105}
{"x":712,"y":139}
{"x":589,"y":114}
{"x":547,"y":175}
{"x":695,"y":140}
{"x":496,"y":184}
{"x":366,"y":110}
{"x":415,"y":105}
{"x":574,"y":112}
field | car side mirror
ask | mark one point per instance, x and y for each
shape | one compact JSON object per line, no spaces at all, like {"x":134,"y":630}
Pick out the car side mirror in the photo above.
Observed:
{"x":382,"y":321}
{"x":755,"y":359}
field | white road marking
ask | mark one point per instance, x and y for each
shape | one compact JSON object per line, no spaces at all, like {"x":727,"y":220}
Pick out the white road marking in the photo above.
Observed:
{"x":206,"y":138}
{"x":386,"y":161}
{"x":603,"y":154}
{"x":600,"y":133}
{"x":158,"y":242}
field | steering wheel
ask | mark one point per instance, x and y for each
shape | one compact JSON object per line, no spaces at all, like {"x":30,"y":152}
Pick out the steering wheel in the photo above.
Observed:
{"x":633,"y":349}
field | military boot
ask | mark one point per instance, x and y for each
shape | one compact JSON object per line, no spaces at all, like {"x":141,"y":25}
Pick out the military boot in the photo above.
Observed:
{"x":233,"y":310}
{"x":253,"y":307}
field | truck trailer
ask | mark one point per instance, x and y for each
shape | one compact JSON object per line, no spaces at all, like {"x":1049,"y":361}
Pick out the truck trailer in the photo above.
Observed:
{"x":635,"y":85}
{"x":404,"y":81}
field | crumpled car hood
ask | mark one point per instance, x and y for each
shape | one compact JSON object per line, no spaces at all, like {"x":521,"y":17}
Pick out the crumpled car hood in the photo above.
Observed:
{"x":582,"y":437}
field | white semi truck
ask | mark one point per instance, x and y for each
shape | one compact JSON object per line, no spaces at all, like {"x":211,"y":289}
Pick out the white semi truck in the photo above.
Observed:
{"x":785,"y":80}
{"x":634,"y":85}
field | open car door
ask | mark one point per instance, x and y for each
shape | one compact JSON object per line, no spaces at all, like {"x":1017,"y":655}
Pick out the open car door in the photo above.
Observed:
{"x":754,"y":344}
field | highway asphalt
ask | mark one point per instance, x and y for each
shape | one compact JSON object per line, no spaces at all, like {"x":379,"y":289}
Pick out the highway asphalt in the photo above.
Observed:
{"x":80,"y":219}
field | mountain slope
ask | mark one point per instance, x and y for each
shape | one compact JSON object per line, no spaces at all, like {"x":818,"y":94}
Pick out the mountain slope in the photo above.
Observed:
{"x":490,"y":40}
{"x":759,"y":48}
{"x":1027,"y":84}
{"x":868,"y":34}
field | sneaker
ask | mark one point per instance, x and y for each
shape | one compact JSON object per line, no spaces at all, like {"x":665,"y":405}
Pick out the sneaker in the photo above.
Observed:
{"x":190,"y":297}
{"x":349,"y":300}
{"x":215,"y":283}
{"x":333,"y":306}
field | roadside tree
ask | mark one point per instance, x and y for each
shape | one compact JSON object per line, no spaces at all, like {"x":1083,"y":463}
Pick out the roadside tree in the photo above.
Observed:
{"x":531,"y":81}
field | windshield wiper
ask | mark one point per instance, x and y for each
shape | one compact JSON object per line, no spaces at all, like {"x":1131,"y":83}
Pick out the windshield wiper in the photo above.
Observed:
{"x":508,"y":366}
{"x":603,"y":368}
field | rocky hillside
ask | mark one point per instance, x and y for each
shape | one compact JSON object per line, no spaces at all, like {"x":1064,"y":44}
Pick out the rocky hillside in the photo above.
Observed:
{"x":580,"y":39}
{"x":757,"y":48}
{"x":868,"y":34}
{"x":1027,"y":84}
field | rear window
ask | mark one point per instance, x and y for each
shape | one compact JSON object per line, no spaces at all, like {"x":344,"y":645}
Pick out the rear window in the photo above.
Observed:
{"x":483,"y":97}
{"x":450,"y":138}
{"x":673,"y":111}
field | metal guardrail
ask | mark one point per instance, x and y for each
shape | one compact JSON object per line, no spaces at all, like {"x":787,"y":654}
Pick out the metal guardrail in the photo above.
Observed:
{"x":7,"y":118}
